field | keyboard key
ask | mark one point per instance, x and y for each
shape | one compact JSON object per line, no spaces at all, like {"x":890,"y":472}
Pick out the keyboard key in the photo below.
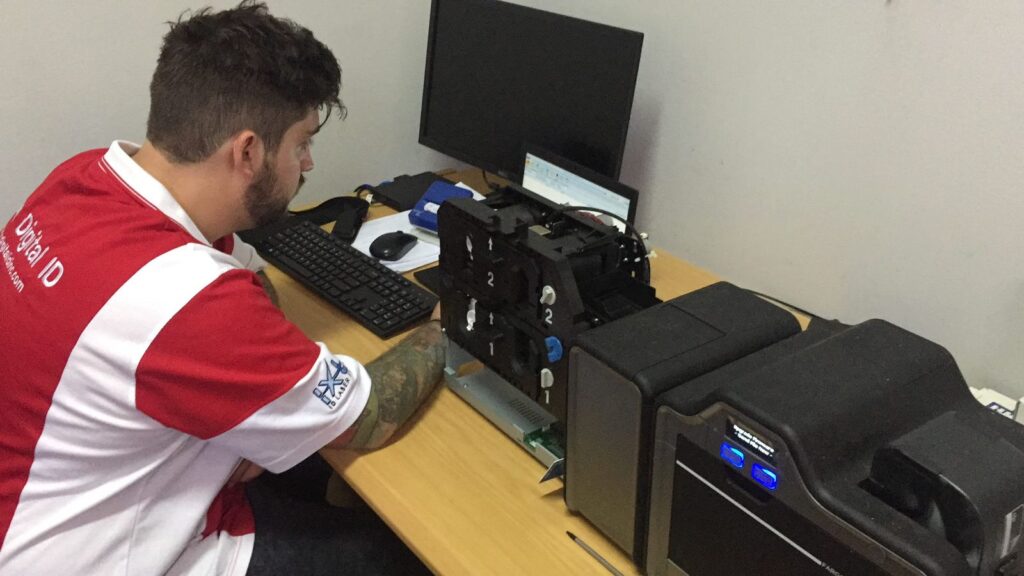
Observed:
{"x":287,"y":262}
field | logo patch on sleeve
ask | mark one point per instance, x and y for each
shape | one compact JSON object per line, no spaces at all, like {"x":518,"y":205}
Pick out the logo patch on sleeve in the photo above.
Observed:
{"x":330,"y":389}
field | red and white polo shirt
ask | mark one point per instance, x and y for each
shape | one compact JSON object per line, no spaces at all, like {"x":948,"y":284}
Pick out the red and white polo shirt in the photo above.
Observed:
{"x":138,"y":364}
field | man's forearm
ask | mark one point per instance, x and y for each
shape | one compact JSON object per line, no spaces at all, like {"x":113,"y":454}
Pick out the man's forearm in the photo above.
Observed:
{"x":401,"y":378}
{"x":268,"y":287}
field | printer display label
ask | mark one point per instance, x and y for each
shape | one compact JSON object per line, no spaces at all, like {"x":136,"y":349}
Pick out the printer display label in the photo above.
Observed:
{"x":1000,"y":409}
{"x":759,"y":445}
{"x":1014,"y":527}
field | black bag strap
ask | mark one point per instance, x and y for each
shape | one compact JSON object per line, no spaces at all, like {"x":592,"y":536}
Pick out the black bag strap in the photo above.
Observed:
{"x":328,"y":210}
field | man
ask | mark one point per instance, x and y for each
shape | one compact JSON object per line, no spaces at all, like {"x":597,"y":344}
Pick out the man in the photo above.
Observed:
{"x":143,"y":370}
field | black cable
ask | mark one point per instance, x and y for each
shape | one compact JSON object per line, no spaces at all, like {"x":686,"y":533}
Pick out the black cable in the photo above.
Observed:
{"x":629,"y":228}
{"x":491,"y":187}
{"x":647,"y":263}
{"x":786,"y":304}
{"x":362,"y":189}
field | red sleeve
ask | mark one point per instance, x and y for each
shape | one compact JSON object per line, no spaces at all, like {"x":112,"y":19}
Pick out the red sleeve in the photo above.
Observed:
{"x":226,"y":354}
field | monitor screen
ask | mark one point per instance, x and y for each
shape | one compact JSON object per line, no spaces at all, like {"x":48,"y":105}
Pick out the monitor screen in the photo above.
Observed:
{"x":562,"y":182}
{"x":499,"y":75}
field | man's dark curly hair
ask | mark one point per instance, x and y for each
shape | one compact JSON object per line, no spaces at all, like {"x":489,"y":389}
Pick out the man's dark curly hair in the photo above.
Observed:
{"x":223,"y":72}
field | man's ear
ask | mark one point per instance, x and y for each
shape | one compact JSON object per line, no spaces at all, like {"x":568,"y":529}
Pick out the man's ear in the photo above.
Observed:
{"x":247,"y":154}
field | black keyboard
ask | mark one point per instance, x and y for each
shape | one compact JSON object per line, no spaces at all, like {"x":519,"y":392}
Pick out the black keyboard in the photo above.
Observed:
{"x":375,"y":296}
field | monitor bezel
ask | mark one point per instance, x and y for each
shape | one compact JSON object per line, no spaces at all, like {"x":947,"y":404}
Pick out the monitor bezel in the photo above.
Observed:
{"x":606,"y":182}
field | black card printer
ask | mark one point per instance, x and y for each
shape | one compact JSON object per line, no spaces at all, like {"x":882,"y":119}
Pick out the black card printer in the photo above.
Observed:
{"x":852,"y":450}
{"x":617,"y":371}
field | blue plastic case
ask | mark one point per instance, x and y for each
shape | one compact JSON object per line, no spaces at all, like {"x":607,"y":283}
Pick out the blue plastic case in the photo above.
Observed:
{"x":424,"y":214}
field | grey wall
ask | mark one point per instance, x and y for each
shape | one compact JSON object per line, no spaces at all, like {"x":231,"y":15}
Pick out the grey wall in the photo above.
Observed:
{"x":858,"y":159}
{"x":75,"y":76}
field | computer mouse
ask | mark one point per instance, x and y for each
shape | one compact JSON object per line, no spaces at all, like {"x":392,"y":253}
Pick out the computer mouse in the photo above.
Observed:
{"x":392,"y":245}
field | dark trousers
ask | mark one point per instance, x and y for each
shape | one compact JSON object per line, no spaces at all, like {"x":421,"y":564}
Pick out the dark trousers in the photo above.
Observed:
{"x":298,"y":533}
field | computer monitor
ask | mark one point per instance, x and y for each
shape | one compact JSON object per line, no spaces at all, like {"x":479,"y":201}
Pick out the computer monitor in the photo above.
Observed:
{"x":500,"y":75}
{"x":565,"y":182}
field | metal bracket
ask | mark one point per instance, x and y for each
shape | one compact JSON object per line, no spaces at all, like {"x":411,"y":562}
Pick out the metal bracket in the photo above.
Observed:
{"x":505,"y":406}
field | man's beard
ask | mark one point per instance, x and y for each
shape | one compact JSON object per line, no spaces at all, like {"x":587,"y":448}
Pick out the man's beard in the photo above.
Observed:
{"x":263,"y":200}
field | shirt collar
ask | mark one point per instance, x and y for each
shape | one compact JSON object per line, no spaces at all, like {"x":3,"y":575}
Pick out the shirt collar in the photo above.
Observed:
{"x":148,"y":188}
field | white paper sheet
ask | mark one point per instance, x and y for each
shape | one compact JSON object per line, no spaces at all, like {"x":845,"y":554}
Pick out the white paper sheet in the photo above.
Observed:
{"x":425,"y":251}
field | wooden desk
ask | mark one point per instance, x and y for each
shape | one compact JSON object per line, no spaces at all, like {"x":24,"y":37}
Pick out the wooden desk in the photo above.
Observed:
{"x":462,"y":495}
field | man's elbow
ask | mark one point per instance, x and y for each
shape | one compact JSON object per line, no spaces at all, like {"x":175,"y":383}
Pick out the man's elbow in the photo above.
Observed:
{"x":361,"y":441}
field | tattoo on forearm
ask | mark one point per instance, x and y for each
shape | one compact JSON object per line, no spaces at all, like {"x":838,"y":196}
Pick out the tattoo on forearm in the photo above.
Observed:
{"x":402,"y":378}
{"x":268,"y":287}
